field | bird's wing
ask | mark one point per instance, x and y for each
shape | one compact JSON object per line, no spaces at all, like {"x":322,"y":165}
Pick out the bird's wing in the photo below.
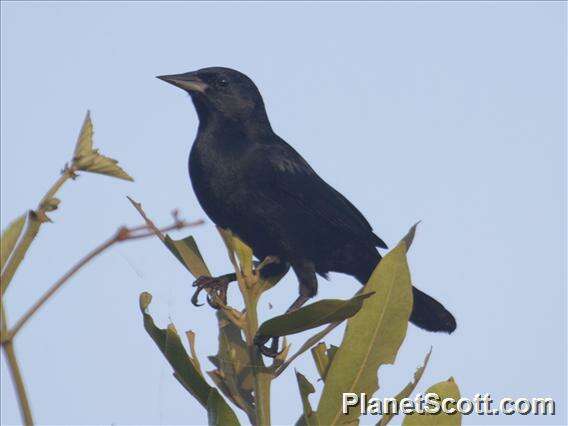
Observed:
{"x":299,"y":186}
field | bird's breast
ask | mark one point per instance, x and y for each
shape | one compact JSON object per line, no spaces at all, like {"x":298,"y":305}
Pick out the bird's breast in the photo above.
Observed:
{"x":218,"y":183}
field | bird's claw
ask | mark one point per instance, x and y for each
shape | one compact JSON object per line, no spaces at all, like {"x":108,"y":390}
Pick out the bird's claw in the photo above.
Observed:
{"x":218,"y":287}
{"x":269,"y":351}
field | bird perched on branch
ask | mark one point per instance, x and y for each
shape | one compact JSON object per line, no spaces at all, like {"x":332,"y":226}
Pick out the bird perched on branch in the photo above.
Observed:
{"x":250,"y":181}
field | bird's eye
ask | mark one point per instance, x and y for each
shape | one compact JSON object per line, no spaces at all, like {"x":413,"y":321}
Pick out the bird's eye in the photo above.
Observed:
{"x":222,"y":82}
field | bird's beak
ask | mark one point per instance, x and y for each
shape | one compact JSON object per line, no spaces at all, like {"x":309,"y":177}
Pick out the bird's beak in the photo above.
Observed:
{"x":188,"y":81}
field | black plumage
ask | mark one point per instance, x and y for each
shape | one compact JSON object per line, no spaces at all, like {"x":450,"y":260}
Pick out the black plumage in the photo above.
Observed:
{"x":249,"y":180}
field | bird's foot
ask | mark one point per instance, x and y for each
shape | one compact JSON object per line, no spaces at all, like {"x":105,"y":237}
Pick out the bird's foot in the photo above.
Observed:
{"x":218,"y":285}
{"x":268,"y":260}
{"x":271,"y":350}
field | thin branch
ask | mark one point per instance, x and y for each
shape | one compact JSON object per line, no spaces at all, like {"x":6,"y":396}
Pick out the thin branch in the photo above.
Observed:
{"x":123,"y":234}
{"x":14,"y":368}
{"x":35,"y":220}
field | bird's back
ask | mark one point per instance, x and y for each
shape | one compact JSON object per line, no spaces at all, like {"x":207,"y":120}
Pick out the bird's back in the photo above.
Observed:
{"x":266,"y":193}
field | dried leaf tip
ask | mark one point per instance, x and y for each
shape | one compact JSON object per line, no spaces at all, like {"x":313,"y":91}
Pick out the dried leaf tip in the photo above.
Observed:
{"x":409,"y":237}
{"x":145,"y":299}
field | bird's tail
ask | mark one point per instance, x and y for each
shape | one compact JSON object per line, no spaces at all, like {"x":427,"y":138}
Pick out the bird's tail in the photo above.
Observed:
{"x":427,"y":312}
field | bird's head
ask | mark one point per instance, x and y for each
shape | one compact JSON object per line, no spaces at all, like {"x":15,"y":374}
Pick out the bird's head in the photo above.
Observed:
{"x":220,"y":91}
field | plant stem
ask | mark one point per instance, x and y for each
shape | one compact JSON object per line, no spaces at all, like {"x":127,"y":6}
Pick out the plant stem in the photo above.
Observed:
{"x":261,"y":377}
{"x":14,"y":368}
{"x":15,"y":373}
{"x":35,"y":220}
{"x":67,"y":173}
{"x":7,"y":335}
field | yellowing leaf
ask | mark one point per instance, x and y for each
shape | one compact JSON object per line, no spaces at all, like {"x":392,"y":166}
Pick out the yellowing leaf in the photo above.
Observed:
{"x":236,"y":247}
{"x":84,"y":145}
{"x":190,"y":335}
{"x":87,"y":159}
{"x":323,"y":357}
{"x":405,"y":393}
{"x":244,"y":254}
{"x":306,"y":388}
{"x":10,"y":238}
{"x":372,"y":337}
{"x":19,"y":251}
{"x":445,"y":389}
{"x":106,"y":166}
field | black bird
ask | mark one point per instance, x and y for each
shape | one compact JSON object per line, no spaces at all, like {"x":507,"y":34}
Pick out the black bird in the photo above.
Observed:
{"x":250,"y":181}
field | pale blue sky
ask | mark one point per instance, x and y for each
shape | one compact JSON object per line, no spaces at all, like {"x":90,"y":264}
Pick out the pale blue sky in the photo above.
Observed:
{"x":449,"y":113}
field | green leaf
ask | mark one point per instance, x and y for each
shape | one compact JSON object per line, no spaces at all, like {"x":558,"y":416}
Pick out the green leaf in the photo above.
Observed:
{"x":218,"y":411}
{"x":185,"y":250}
{"x":311,"y":316}
{"x":169,"y":343}
{"x":323,"y":357}
{"x":10,"y":238}
{"x":372,"y":337}
{"x":407,"y":390}
{"x":87,"y":159}
{"x":319,"y":353}
{"x":232,"y":362}
{"x":331,"y":352}
{"x":188,"y":254}
{"x":306,"y":388}
{"x":446,"y":389}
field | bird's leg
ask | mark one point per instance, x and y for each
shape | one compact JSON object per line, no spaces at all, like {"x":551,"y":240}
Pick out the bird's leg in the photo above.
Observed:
{"x":306,"y":273}
{"x":298,"y":303}
{"x":217,"y":284}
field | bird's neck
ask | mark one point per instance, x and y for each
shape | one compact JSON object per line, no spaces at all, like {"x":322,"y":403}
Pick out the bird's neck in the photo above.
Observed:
{"x":253,"y":128}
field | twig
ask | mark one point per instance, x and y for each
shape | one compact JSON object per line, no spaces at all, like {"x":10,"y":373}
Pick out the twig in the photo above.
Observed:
{"x":35,"y":220}
{"x":123,"y":234}
{"x":15,"y":373}
{"x":14,"y":369}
